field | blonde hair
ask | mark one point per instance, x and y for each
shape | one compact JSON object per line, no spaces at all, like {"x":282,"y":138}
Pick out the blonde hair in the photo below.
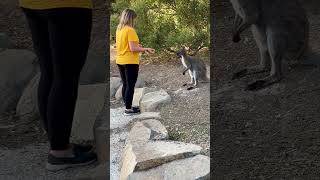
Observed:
{"x":126,"y":19}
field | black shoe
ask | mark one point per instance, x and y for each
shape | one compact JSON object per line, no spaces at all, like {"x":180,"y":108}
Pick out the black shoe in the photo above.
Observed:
{"x":132,"y":111}
{"x":136,"y":108}
{"x":79,"y":159}
{"x":81,"y":148}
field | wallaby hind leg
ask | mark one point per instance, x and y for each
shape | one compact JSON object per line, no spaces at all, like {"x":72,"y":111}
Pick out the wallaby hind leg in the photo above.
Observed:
{"x":277,"y":47}
{"x":195,"y":80}
{"x":191,"y":78}
{"x":261,"y":40}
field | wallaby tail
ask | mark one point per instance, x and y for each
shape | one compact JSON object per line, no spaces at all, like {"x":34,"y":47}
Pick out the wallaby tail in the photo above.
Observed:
{"x":206,"y":74}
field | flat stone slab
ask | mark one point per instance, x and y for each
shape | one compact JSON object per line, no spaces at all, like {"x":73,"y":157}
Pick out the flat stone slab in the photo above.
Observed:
{"x":118,"y":136}
{"x":153,"y":154}
{"x":154,"y":100}
{"x":197,"y":167}
{"x":27,"y":107}
{"x":148,"y":115}
{"x":144,"y":131}
{"x":138,"y":93}
{"x":89,"y":104}
{"x":118,"y":120}
{"x":158,"y":130}
{"x":17,"y":68}
{"x":94,"y":70}
{"x":118,"y":94}
{"x":115,"y":83}
{"x":137,"y":96}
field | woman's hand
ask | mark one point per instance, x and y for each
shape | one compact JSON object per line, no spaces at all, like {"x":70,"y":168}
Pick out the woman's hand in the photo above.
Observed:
{"x":150,"y":50}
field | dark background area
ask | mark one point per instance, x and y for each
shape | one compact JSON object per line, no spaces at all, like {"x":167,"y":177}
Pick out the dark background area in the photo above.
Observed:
{"x":273,"y":133}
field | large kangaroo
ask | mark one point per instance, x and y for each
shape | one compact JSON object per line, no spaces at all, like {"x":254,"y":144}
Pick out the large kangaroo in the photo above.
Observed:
{"x":281,"y":31}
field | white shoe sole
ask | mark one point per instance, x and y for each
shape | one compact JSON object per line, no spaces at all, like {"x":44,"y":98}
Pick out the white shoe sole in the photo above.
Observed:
{"x":131,"y":114}
{"x":53,"y":167}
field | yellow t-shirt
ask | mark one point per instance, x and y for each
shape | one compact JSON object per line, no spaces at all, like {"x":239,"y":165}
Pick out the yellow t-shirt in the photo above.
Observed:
{"x":49,"y":4}
{"x":124,"y":54}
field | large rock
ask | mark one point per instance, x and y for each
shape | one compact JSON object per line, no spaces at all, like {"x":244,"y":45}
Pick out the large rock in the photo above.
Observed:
{"x":17,"y":68}
{"x":138,"y":157}
{"x":5,"y":41}
{"x":139,"y":84}
{"x":137,"y":96}
{"x":197,"y":167}
{"x":95,"y":69}
{"x":154,"y":100}
{"x":146,"y":130}
{"x":115,"y":83}
{"x":27,"y":107}
{"x":148,"y":115}
{"x":118,"y":94}
{"x":89,"y":105}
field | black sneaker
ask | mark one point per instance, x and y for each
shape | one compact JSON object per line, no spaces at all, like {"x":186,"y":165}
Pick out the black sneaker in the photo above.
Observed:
{"x":81,"y":148}
{"x":132,"y":111}
{"x":79,"y":159}
{"x":136,"y":108}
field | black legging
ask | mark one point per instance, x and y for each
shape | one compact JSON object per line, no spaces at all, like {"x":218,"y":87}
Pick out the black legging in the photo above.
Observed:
{"x":129,"y":75}
{"x":61,"y":39}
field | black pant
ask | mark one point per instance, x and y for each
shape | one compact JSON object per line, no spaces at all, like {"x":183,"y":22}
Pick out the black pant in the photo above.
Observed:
{"x":129,"y":75}
{"x":61,"y":40}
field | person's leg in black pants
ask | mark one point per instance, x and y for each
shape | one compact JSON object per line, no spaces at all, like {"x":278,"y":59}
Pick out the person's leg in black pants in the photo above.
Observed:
{"x":131,"y":72}
{"x":124,"y":81}
{"x":41,"y":43}
{"x":61,"y":40}
{"x":129,"y":75}
{"x":69,"y":34}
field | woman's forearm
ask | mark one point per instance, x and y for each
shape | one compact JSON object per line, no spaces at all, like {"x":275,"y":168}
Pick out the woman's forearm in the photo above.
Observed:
{"x":137,"y":49}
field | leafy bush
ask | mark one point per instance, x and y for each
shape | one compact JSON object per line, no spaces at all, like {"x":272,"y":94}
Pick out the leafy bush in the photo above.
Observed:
{"x":167,"y":24}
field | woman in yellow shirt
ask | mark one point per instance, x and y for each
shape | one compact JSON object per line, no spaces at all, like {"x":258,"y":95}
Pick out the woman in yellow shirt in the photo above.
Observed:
{"x":128,"y":48}
{"x":60,"y":32}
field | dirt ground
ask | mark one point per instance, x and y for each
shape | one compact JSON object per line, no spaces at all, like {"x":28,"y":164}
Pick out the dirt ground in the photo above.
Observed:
{"x":273,"y":133}
{"x":187,"y":118}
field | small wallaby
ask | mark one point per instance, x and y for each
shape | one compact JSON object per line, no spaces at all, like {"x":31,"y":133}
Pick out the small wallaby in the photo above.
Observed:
{"x":281,"y":31}
{"x":195,"y":66}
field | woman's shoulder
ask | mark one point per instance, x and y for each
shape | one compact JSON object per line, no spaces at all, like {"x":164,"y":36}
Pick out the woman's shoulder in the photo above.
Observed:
{"x":129,"y":28}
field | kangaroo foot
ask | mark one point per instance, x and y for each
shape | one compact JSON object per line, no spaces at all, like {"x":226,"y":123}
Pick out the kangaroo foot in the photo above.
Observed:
{"x":190,"y":88}
{"x":262,"y":83}
{"x":240,"y":74}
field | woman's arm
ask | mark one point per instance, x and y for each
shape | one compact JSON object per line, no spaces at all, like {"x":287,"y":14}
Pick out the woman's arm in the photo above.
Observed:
{"x":134,"y":47}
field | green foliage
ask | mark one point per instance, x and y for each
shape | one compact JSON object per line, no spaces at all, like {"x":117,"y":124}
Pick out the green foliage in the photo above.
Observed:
{"x":165,"y":24}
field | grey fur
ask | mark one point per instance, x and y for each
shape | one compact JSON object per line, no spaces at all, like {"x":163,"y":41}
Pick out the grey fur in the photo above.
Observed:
{"x":195,"y":66}
{"x":281,"y":31}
